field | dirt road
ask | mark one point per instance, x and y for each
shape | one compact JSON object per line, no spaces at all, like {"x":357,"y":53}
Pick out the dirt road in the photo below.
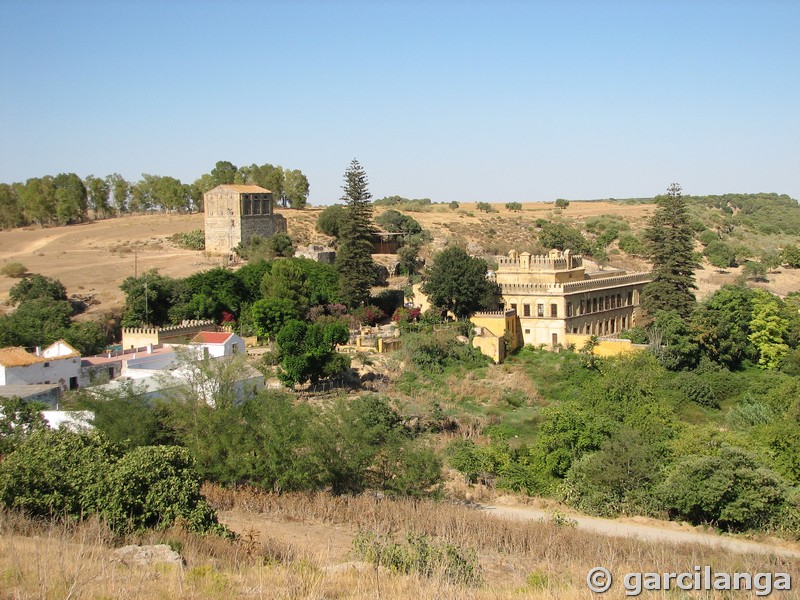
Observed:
{"x":650,"y":530}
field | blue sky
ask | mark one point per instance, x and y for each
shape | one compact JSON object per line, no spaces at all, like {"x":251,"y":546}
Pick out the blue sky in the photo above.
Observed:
{"x":471,"y":100}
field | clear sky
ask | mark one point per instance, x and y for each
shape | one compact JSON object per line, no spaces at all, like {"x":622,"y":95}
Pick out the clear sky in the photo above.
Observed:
{"x":470,"y":100}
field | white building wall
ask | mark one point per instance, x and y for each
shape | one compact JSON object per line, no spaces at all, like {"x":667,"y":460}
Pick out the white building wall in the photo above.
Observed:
{"x":55,"y":371}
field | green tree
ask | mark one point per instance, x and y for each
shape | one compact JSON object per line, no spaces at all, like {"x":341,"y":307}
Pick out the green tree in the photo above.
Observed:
{"x":354,"y":255}
{"x":124,"y":415}
{"x":330,"y":220}
{"x":457,"y":282}
{"x":670,"y":240}
{"x":10,"y":208}
{"x":515,"y":206}
{"x":38,"y":201}
{"x":281,"y":245}
{"x":222,"y":173}
{"x":120,"y":190}
{"x":40,"y":322}
{"x":408,"y":254}
{"x":270,"y":315}
{"x":70,"y":198}
{"x":251,"y":276}
{"x":561,"y":203}
{"x":790,"y":255}
{"x":309,"y":351}
{"x":88,"y":337}
{"x":720,"y":254}
{"x":613,"y":479}
{"x":289,"y":280}
{"x":485,"y":207}
{"x":768,"y":330}
{"x":148,"y":299}
{"x":396,"y":222}
{"x":281,"y":438}
{"x":562,"y":237}
{"x":722,"y":323}
{"x":673,"y":342}
{"x":730,"y":489}
{"x":755,"y":270}
{"x":98,"y":194}
{"x":296,"y":188}
{"x":35,"y":287}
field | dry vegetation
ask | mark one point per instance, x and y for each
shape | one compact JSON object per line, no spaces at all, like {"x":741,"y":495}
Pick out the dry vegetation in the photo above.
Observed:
{"x":298,"y":546}
{"x":94,"y":258}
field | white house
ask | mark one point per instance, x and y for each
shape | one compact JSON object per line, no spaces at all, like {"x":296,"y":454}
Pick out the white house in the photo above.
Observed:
{"x":58,"y":364}
{"x":218,"y":343}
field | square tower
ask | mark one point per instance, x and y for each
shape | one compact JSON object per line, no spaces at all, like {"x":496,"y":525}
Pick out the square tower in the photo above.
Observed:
{"x":235,"y":213}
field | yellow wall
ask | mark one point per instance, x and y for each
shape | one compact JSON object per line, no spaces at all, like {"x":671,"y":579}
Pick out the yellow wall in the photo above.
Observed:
{"x":491,"y":346}
{"x":605,"y":347}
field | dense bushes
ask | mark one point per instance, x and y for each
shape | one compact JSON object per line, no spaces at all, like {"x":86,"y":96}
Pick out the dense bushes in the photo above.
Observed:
{"x":62,"y":473}
{"x":271,"y":442}
{"x":624,"y":438}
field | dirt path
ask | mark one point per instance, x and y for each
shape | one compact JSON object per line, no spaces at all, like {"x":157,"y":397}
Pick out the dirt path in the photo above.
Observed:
{"x":651,"y":531}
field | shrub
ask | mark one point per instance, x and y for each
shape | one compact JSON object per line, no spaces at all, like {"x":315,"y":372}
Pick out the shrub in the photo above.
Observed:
{"x":420,"y":555}
{"x":561,"y":203}
{"x":14,"y":270}
{"x":706,"y":237}
{"x":63,"y":473}
{"x":330,"y":220}
{"x":696,"y":388}
{"x":37,"y":287}
{"x":730,"y":489}
{"x":515,"y":206}
{"x":396,"y":222}
{"x":485,"y":207}
{"x":632,"y":245}
{"x":190,"y":240}
{"x":154,"y":487}
{"x":260,"y":248}
{"x":369,"y":315}
{"x":57,"y":473}
{"x":790,"y":256}
{"x":453,"y":205}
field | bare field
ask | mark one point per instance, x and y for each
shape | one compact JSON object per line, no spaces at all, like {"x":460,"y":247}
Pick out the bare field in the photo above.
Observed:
{"x":95,"y":257}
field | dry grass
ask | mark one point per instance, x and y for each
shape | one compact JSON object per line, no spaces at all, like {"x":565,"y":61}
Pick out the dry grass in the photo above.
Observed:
{"x":521,"y":560}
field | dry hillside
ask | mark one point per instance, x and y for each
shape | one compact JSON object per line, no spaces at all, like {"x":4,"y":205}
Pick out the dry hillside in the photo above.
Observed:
{"x":95,"y":257}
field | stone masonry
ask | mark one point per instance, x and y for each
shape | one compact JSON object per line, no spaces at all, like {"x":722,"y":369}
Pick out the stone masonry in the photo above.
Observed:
{"x":235,"y":213}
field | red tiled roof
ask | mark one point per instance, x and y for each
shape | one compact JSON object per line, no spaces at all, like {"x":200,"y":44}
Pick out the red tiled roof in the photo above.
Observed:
{"x":211,"y":337}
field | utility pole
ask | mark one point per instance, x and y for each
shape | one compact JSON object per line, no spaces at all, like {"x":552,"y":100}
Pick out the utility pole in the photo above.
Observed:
{"x":146,"y":305}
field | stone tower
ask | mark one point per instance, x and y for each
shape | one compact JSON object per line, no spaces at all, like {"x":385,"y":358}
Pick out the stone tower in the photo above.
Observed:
{"x":235,"y":213}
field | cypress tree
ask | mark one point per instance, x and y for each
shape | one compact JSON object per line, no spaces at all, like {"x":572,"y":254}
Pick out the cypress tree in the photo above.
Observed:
{"x":671,"y":245}
{"x":354,"y":253}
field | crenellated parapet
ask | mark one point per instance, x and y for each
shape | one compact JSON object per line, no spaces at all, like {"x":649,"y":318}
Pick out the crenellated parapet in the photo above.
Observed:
{"x":555,"y":260}
{"x":138,"y":337}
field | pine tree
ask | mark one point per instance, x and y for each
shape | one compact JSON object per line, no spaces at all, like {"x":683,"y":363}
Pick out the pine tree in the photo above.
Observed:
{"x":671,"y":245}
{"x":354,"y":253}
